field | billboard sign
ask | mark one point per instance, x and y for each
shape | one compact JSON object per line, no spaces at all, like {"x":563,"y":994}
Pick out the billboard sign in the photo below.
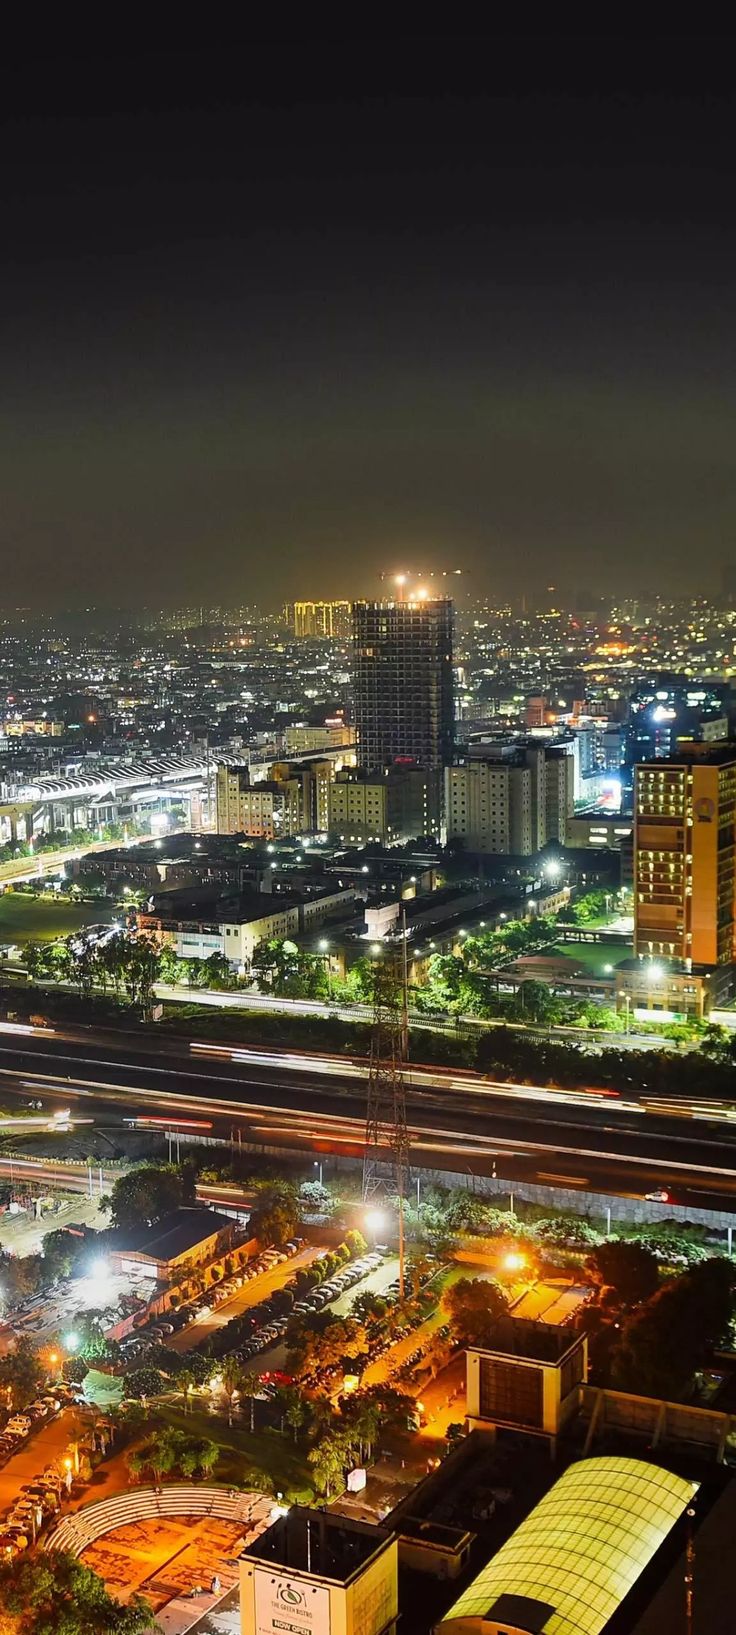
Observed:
{"x":289,"y":1606}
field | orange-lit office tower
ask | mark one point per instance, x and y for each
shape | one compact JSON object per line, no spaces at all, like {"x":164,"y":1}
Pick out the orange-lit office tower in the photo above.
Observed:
{"x":685,"y":856}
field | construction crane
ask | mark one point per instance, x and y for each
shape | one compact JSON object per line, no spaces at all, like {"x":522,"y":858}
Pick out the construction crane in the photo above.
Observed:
{"x":421,"y":593}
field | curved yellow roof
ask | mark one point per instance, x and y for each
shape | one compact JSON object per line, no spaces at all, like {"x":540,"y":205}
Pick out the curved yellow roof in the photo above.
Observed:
{"x":583,"y":1547}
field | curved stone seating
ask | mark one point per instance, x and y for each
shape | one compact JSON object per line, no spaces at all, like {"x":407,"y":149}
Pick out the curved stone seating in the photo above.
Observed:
{"x":76,"y":1532}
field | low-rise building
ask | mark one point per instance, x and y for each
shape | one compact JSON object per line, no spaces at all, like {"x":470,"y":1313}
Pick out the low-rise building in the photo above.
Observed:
{"x":317,"y":1573}
{"x":172,"y":1246}
{"x":197,"y":924}
{"x":570,"y":1565}
{"x":529,"y":1381}
{"x":265,"y":810}
{"x":663,"y":990}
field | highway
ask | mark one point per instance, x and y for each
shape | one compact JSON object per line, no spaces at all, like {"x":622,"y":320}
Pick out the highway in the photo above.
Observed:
{"x":268,"y":1100}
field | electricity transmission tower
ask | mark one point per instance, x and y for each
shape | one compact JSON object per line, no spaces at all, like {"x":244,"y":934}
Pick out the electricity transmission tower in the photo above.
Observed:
{"x":386,"y":1158}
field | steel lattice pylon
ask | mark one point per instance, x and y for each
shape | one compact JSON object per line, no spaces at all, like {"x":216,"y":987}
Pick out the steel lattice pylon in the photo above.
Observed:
{"x":386,"y":1157}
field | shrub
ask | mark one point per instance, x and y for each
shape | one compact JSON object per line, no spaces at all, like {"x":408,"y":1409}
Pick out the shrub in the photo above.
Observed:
{"x":567,"y":1234}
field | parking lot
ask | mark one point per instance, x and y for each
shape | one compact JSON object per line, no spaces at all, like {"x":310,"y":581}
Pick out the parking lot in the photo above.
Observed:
{"x":251,"y":1292}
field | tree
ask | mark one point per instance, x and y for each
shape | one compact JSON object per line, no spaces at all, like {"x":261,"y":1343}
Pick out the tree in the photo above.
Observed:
{"x":149,"y":1193}
{"x":329,"y":1460}
{"x":217,"y":972}
{"x":667,"y":1339}
{"x":369,"y":1306}
{"x":474,"y":1306}
{"x":230,"y":1378}
{"x":360,"y":982}
{"x":277,"y":1222}
{"x":144,"y":1383}
{"x":362,"y":1418}
{"x":197,"y":1456}
{"x":327,"y":1344}
{"x":293,"y":1408}
{"x":356,"y":1243}
{"x":315,"y":1199}
{"x":567,"y":1234}
{"x":534,"y":1002}
{"x":55,"y":1594}
{"x":250,"y":1388}
{"x":22,"y":1372}
{"x":158,"y":1455}
{"x":445,"y":973}
{"x":61,"y":1253}
{"x":626,"y":1265}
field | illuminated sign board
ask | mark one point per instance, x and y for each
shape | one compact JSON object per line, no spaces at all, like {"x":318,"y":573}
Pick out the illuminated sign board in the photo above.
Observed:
{"x":289,"y":1606}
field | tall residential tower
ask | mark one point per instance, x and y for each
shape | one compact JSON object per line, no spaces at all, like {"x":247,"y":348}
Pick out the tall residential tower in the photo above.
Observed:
{"x":402,"y":688}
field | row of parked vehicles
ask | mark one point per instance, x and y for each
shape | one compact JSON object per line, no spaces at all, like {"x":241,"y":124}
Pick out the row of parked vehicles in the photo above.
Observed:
{"x":136,"y":1345}
{"x":19,"y":1427}
{"x":270,"y":1319}
{"x":40,"y":1499}
{"x":37,"y":1502}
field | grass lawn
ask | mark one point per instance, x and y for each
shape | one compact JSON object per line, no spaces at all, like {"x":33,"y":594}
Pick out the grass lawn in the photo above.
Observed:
{"x":593,"y":955}
{"x":281,"y":1461}
{"x":41,"y":919}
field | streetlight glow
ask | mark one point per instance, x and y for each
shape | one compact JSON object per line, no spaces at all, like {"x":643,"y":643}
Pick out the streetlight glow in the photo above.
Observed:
{"x":375,"y":1221}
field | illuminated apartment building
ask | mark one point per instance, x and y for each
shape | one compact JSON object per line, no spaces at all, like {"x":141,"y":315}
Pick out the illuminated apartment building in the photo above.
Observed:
{"x":685,"y":856}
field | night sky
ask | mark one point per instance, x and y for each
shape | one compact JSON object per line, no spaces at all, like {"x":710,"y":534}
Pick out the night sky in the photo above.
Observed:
{"x":274,"y":319}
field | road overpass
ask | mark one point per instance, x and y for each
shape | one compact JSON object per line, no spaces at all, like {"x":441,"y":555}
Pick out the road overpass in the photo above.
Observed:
{"x":273,"y":1101}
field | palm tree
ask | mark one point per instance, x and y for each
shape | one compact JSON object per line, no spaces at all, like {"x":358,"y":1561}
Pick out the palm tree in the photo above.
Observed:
{"x":186,"y":1382}
{"x":249,"y":1388}
{"x":231,"y":1375}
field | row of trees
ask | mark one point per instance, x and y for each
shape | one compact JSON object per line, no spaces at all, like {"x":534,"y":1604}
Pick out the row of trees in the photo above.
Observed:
{"x":168,"y":1451}
{"x":443,"y":1215}
{"x":125,"y":965}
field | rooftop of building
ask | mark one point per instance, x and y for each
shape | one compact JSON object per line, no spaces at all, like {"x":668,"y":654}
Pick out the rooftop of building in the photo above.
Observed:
{"x":534,"y":1342}
{"x":319,"y":1543}
{"x":196,"y":904}
{"x":569,"y":1566}
{"x":173,"y":1235}
{"x":720,"y":753}
{"x":425,"y":1531}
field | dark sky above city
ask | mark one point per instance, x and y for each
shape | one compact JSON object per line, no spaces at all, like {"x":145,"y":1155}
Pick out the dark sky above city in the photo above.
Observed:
{"x":279,"y":316}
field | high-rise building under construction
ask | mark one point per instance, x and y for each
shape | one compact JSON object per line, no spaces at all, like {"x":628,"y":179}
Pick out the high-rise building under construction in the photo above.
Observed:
{"x":403,"y":688}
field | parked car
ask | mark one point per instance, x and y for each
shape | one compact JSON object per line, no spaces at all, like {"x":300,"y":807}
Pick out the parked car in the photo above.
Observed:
{"x":12,"y":1544}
